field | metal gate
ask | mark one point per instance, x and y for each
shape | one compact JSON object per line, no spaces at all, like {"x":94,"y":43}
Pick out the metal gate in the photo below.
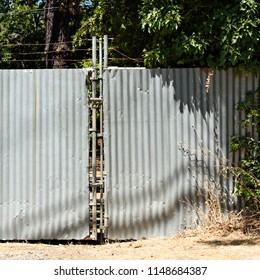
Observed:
{"x":167,"y":136}
{"x":44,"y":154}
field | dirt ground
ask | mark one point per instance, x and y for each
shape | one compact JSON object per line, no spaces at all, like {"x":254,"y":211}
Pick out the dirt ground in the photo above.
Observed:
{"x":190,"y":245}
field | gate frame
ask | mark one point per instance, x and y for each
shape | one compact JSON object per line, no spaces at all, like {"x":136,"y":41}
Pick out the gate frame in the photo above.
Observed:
{"x":97,"y":187}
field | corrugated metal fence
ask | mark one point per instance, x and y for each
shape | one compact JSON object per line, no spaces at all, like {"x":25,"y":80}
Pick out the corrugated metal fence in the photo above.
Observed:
{"x":43,"y":154}
{"x":167,"y":132}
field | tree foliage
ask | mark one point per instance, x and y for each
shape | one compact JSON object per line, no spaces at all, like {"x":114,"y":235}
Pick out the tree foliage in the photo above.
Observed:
{"x":21,"y":34}
{"x":37,"y":34}
{"x":119,"y":19}
{"x":202,"y":33}
{"x":166,"y":33}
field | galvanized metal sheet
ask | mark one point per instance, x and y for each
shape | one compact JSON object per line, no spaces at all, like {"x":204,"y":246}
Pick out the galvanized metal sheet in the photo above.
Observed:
{"x":43,"y":154}
{"x":167,"y":131}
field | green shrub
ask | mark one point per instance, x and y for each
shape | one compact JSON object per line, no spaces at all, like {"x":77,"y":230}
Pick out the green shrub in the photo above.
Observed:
{"x":247,"y":172}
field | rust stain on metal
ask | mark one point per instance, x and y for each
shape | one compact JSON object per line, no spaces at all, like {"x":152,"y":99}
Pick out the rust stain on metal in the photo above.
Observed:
{"x":35,"y":119}
{"x":210,"y":73}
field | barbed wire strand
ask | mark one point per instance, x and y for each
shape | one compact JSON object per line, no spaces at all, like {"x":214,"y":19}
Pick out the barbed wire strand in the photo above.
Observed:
{"x":68,"y":60}
{"x":37,"y":60}
{"x":44,"y":53}
{"x":32,"y":11}
{"x":126,"y":56}
{"x":56,"y":43}
{"x":39,"y":44}
{"x":71,"y":50}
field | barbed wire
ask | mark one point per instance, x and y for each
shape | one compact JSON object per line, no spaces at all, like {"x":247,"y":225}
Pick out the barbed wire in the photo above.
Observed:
{"x":56,"y":43}
{"x":31,"y":11}
{"x":44,"y":52}
{"x":40,"y":44}
{"x":51,"y":60}
{"x":37,"y":60}
{"x":19,"y":54}
{"x":78,"y":59}
{"x":126,"y":57}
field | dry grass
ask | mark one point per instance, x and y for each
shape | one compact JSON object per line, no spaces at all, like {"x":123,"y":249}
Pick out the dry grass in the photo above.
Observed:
{"x":215,"y":220}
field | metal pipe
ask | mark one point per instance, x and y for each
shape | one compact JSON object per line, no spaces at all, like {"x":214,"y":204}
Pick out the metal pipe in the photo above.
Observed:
{"x":101,"y":106}
{"x":100,"y":67}
{"x":94,"y":139}
{"x":101,"y":132}
{"x":105,"y":200}
{"x":105,"y":51}
{"x":94,"y":118}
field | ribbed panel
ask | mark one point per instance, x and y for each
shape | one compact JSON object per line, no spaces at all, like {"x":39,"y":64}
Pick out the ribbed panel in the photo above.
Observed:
{"x":165,"y":137}
{"x":43,"y":154}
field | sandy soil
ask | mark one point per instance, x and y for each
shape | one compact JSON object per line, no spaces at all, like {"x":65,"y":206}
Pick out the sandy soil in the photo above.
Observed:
{"x":192,"y":245}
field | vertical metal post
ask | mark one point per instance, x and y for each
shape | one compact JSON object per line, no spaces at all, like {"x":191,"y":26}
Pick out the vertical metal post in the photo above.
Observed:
{"x":104,"y":178}
{"x":105,"y":51}
{"x":94,"y":119}
{"x":101,"y":105}
{"x":100,"y":68}
{"x":101,"y":133}
{"x":94,"y":138}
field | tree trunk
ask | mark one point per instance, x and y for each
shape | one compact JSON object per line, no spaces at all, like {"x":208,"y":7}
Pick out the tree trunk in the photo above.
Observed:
{"x":57,"y":34}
